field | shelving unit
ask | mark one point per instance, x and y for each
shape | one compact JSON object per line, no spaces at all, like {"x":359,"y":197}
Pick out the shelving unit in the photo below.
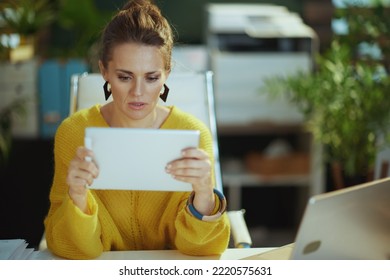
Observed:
{"x":243,"y":141}
{"x":247,"y":43}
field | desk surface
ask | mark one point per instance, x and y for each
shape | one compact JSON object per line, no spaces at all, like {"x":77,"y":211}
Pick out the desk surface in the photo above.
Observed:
{"x":229,"y":254}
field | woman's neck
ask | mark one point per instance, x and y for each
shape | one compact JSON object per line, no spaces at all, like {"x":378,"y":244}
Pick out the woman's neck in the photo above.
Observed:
{"x":115,"y":119}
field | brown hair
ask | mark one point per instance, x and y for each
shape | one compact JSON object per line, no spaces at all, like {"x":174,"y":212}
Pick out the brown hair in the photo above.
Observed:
{"x":139,"y":21}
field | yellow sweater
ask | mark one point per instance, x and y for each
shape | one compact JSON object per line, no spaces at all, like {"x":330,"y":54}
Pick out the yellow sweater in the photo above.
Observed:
{"x":125,"y":220}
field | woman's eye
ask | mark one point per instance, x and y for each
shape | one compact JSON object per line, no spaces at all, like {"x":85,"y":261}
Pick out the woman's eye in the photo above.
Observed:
{"x":152,"y":79}
{"x":124,"y":78}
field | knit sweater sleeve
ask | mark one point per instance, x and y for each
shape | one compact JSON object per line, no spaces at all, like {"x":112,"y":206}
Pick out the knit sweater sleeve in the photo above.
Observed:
{"x":193,"y":236}
{"x":196,"y":237}
{"x":69,"y":232}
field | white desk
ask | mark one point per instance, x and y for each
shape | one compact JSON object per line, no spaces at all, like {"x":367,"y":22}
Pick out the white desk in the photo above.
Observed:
{"x":229,"y":254}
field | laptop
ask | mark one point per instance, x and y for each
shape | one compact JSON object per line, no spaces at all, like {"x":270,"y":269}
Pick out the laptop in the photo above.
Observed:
{"x":135,"y":158}
{"x":347,"y":224}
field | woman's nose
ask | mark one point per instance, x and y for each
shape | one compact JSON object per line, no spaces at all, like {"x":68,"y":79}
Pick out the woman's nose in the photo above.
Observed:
{"x":136,"y":89}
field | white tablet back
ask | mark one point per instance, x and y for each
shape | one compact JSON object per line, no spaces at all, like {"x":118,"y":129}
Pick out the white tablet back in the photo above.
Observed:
{"x":135,"y":159}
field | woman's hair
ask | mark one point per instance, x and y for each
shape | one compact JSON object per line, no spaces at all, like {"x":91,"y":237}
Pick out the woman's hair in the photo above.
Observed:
{"x":139,"y":21}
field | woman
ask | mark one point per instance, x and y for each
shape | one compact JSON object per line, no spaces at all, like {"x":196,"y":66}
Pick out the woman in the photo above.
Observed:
{"x":135,"y":61}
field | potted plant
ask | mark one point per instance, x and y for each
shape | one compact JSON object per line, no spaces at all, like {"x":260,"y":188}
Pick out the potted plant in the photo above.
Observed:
{"x":26,"y":19}
{"x":346,"y":107}
{"x":345,"y":100}
{"x":20,"y":23}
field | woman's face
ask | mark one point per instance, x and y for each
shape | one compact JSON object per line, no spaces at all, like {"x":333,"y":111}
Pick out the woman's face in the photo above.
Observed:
{"x":136,"y":74}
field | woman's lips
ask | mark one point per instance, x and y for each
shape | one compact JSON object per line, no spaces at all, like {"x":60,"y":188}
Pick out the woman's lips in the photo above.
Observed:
{"x":136,"y":105}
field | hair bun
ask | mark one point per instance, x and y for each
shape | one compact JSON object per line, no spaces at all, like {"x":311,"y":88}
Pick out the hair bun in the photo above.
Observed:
{"x":136,"y":3}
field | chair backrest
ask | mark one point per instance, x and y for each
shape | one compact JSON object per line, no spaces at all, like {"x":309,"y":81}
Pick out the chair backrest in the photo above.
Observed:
{"x":192,"y":92}
{"x":86,"y":90}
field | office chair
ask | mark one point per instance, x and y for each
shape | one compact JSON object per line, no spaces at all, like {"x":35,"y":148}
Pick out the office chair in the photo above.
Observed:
{"x":190,"y":91}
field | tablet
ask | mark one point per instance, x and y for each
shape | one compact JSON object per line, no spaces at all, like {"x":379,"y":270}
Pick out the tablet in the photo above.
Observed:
{"x":135,"y":159}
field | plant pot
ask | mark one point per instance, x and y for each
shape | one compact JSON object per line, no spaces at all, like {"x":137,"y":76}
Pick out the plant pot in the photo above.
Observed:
{"x":24,"y":51}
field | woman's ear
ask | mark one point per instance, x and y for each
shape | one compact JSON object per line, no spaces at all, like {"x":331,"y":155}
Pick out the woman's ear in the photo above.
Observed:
{"x":167,"y":75}
{"x":102,"y":69}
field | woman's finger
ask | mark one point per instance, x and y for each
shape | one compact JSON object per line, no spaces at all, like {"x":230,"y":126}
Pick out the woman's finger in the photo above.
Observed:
{"x":83,"y":152}
{"x":194,"y":153}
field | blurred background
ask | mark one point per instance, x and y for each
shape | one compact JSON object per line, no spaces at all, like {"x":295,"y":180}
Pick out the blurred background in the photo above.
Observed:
{"x":270,"y":160}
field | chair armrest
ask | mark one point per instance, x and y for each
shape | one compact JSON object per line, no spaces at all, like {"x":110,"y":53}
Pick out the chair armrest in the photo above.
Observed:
{"x":239,"y":229}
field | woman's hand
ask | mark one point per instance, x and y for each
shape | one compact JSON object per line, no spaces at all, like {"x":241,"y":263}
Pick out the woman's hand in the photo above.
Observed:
{"x":80,"y":173}
{"x":195,"y":168}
